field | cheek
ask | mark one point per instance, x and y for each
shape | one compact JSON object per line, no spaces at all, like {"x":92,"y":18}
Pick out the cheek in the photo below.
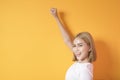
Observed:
{"x":85,"y":49}
{"x":74,"y":49}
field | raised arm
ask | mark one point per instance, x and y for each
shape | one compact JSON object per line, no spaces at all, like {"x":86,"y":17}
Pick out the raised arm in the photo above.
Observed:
{"x":65,"y":35}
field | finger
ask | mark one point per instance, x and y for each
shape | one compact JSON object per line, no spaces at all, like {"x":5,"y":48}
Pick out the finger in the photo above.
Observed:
{"x":52,"y":10}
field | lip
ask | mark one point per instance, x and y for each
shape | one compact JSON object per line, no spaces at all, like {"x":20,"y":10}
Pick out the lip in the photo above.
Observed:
{"x":77,"y":54}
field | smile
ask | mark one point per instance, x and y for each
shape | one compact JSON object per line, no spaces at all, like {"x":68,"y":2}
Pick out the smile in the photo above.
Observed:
{"x":77,"y":55}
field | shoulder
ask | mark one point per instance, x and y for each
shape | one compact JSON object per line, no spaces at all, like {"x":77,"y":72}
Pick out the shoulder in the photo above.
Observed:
{"x":86,"y":73}
{"x":87,"y":66}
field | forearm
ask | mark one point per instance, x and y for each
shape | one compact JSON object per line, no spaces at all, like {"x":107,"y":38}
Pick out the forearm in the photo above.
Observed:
{"x":64,"y":33}
{"x":66,"y":36}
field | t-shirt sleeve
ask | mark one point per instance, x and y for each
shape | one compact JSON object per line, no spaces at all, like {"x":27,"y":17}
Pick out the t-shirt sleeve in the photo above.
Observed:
{"x":86,"y":73}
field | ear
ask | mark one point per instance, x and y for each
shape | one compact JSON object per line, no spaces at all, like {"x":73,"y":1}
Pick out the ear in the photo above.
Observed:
{"x":90,"y":50}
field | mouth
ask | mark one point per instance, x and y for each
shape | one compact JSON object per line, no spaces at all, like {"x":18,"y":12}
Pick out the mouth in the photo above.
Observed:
{"x":77,"y":55}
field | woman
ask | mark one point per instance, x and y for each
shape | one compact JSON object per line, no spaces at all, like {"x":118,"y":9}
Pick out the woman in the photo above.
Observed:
{"x":83,"y":52}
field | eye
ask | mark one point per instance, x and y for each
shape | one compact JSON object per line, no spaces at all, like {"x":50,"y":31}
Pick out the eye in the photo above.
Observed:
{"x":80,"y":45}
{"x":73,"y":45}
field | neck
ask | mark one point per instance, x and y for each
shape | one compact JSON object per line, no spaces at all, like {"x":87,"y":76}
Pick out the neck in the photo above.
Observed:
{"x":84,"y":61}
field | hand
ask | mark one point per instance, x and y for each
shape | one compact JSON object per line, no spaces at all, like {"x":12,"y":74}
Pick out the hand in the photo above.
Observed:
{"x":53,"y":11}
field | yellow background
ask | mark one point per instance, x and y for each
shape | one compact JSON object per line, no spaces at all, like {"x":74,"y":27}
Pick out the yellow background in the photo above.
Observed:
{"x":31,"y":45}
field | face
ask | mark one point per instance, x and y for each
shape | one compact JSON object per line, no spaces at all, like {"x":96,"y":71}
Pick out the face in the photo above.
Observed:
{"x":80,"y":49}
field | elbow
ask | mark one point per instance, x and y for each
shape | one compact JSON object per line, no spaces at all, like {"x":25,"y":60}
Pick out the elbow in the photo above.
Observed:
{"x":67,"y":40}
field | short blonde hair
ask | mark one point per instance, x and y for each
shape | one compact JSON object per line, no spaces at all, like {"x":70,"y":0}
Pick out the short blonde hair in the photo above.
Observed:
{"x":86,"y":36}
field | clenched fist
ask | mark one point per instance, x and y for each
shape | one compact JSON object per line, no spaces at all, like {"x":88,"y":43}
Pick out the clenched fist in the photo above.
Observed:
{"x":53,"y":11}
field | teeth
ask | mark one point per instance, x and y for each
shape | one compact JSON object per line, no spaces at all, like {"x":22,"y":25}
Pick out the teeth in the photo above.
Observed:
{"x":78,"y":54}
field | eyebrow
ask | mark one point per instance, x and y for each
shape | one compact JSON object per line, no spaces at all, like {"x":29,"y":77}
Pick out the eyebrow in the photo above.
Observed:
{"x":78,"y":43}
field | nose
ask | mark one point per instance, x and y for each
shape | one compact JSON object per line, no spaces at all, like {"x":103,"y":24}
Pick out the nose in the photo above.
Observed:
{"x":77,"y":49}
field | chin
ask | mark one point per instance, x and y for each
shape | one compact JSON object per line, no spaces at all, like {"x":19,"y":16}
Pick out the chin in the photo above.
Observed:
{"x":78,"y":59}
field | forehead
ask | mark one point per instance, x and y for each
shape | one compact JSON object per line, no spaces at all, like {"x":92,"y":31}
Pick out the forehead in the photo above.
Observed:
{"x":78,"y":40}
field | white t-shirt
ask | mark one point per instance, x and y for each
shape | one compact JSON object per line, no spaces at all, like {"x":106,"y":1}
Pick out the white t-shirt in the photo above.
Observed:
{"x":80,"y":71}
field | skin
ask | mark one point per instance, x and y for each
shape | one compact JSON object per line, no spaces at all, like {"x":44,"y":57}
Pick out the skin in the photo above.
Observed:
{"x":77,"y":46}
{"x":81,"y":50}
{"x":66,"y":36}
